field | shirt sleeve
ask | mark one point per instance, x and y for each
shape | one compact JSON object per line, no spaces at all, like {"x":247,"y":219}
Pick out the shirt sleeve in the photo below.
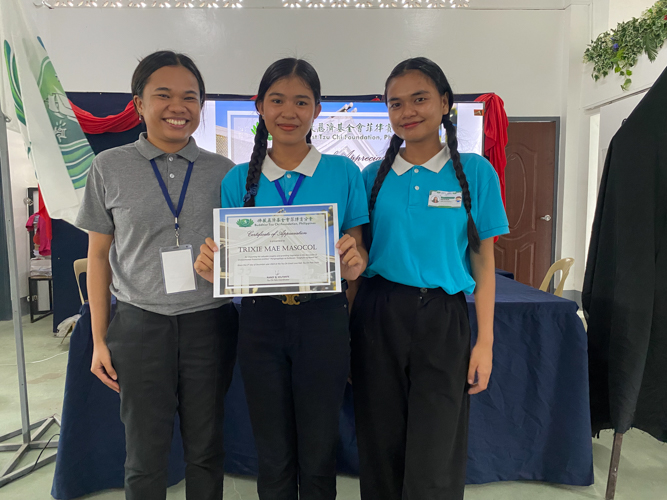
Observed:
{"x":491,"y":219}
{"x":356,"y":211}
{"x":93,"y":212}
{"x":231,"y":192}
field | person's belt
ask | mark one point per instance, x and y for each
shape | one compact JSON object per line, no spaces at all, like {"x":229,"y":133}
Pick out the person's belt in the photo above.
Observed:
{"x":296,"y":299}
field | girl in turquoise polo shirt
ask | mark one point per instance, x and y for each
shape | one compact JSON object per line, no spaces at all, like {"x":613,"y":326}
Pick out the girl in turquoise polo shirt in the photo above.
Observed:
{"x":294,"y":357}
{"x":434,"y":215}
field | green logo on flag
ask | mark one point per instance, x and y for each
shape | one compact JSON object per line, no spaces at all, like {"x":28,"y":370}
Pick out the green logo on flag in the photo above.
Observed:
{"x":74,"y":147}
{"x":14,"y":83}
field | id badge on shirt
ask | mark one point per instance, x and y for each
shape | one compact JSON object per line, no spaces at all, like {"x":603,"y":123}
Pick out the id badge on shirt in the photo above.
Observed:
{"x":445,"y":199}
{"x":178,"y":272}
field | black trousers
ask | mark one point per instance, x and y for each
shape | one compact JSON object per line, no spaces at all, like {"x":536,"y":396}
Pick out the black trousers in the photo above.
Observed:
{"x":167,"y":364}
{"x":410,"y":358}
{"x":295,"y":364}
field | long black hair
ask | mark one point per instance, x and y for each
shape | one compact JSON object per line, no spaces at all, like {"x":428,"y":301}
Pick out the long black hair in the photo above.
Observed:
{"x":153,"y":62}
{"x":437,"y":76}
{"x":283,"y":68}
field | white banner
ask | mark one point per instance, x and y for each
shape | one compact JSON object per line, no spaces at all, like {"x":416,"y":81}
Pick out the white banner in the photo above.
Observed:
{"x":33,"y":98}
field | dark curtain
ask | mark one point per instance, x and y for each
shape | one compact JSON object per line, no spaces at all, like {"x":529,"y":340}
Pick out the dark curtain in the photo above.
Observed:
{"x":625,"y":286}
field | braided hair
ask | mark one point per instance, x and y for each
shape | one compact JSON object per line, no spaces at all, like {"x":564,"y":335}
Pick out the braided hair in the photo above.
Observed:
{"x":432,"y":71}
{"x":283,"y":68}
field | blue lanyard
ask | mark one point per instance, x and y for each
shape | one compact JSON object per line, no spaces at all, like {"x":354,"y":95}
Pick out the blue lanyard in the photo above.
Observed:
{"x":175,"y":211}
{"x":282,"y":193}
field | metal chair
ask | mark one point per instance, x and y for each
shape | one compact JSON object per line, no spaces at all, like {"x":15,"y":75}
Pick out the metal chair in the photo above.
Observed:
{"x":560,"y":265}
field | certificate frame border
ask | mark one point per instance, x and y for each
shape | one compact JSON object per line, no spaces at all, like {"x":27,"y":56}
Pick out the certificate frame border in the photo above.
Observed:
{"x":219,"y":282}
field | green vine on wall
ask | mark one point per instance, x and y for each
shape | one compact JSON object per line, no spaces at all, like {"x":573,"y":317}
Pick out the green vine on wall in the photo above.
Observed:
{"x":618,"y":50}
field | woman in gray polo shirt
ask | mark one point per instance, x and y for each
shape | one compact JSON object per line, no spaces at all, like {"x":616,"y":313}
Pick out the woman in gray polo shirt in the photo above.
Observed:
{"x":170,"y":346}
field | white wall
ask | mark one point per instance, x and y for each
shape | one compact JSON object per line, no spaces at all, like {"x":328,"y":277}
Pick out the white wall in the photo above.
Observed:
{"x":604,"y":124}
{"x":624,"y":10}
{"x":611,"y":118}
{"x":516,"y":54}
{"x":573,"y":193}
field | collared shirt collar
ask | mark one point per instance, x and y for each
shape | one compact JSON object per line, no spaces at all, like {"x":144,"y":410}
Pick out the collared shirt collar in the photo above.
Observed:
{"x":149,"y":151}
{"x":435,"y":164}
{"x":307,"y":166}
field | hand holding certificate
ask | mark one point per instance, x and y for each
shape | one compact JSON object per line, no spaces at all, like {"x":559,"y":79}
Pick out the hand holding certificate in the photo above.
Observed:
{"x":276,"y":250}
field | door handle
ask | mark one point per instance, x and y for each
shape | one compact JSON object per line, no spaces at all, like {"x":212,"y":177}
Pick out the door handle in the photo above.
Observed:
{"x":546,"y":218}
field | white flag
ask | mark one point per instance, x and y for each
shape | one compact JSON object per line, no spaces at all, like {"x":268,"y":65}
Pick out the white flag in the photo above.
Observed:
{"x":33,"y":98}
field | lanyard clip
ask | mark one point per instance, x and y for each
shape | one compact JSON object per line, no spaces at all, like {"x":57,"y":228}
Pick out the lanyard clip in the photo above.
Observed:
{"x":176,"y":229}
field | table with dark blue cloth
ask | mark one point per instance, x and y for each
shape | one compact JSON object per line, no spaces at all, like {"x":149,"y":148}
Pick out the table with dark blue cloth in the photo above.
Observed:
{"x":506,"y":274}
{"x":533,"y":422}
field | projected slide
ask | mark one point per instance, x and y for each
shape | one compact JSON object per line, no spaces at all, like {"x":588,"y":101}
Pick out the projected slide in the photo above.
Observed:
{"x":360,"y":131}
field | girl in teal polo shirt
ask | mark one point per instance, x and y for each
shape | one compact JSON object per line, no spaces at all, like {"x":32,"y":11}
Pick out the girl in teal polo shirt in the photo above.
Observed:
{"x":434,"y":214}
{"x":295,"y":358}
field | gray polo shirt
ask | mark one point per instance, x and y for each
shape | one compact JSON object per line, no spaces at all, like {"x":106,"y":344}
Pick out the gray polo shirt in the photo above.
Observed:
{"x":123,"y":198}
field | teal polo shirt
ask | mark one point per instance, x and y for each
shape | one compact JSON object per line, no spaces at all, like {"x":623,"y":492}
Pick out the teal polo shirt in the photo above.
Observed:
{"x":419,"y":223}
{"x":327,"y":179}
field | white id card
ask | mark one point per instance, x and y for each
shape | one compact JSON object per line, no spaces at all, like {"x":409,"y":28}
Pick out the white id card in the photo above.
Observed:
{"x":178,"y":272}
{"x":445,"y":199}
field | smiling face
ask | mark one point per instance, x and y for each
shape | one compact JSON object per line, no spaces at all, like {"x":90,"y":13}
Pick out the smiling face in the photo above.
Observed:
{"x":170,"y":107}
{"x":416,"y":107}
{"x":289,"y":109}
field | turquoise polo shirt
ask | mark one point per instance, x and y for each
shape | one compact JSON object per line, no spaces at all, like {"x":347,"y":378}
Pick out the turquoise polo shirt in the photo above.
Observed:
{"x":427,"y":246}
{"x":327,"y":179}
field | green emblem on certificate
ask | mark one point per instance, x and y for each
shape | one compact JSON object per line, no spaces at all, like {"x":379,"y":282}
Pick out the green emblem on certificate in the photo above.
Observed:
{"x":245,"y":222}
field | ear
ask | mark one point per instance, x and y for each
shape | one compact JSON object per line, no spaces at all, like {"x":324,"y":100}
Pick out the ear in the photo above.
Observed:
{"x":138,"y":104}
{"x":260,"y":107}
{"x":445,"y":104}
{"x":318,"y":110}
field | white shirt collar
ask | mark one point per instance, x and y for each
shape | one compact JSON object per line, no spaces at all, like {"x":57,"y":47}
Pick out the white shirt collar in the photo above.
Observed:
{"x":307,"y":166}
{"x":435,"y":164}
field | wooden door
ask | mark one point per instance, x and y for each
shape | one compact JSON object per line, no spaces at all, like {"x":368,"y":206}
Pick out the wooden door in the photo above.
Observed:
{"x":529,"y":190}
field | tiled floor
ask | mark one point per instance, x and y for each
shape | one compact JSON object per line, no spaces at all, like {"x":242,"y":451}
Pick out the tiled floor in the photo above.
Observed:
{"x":642,"y":475}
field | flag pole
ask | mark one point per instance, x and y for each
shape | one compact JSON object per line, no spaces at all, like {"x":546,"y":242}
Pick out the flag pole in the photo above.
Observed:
{"x":13,"y":275}
{"x":9,"y":472}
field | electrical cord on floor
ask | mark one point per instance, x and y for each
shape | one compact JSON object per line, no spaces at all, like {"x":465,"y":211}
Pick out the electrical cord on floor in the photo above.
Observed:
{"x":40,"y":360}
{"x":43,"y":449}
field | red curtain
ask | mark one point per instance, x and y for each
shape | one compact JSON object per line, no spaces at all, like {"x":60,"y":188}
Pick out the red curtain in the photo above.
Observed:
{"x":121,"y":122}
{"x":43,"y":233}
{"x":495,"y":135}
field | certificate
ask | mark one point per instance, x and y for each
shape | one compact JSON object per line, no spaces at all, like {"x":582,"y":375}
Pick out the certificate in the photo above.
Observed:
{"x":276,"y":250}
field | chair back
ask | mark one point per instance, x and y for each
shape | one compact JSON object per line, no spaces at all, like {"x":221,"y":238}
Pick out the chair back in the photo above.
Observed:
{"x":80,"y":266}
{"x":561,"y":265}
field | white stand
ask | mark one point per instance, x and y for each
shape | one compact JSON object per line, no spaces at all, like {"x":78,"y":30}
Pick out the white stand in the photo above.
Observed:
{"x":9,"y":472}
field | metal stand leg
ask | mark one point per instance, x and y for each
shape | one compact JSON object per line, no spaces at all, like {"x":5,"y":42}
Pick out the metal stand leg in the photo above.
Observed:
{"x":9,"y":472}
{"x":613,"y":467}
